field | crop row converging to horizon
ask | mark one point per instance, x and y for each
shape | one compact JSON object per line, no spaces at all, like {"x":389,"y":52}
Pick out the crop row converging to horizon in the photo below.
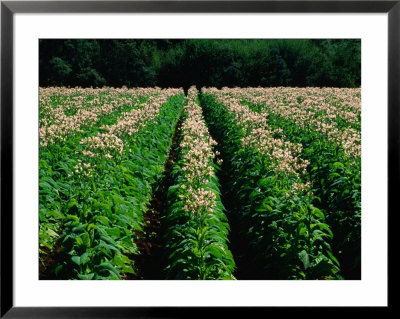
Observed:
{"x":231,"y":183}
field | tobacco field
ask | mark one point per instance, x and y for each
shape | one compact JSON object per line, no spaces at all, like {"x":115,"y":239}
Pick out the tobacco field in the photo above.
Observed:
{"x":208,"y":184}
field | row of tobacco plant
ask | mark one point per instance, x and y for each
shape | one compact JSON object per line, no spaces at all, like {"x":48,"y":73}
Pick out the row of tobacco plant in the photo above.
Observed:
{"x":327,"y":123}
{"x":97,"y":181}
{"x":270,"y":194}
{"x":196,"y":239}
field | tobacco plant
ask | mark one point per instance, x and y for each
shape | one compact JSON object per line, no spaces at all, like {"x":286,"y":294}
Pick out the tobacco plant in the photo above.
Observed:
{"x":197,"y":232}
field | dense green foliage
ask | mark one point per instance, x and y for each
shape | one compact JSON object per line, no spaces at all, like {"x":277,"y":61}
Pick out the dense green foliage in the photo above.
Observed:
{"x":253,"y":183}
{"x":96,"y":218}
{"x":287,"y":235}
{"x":337,"y":186}
{"x":58,"y":160}
{"x":182,"y":63}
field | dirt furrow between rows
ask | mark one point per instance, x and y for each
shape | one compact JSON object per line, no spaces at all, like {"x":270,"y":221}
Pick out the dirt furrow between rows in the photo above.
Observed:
{"x":152,"y":260}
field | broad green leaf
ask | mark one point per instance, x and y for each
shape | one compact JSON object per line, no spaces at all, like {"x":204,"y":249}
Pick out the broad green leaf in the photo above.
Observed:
{"x":305,"y":259}
{"x":84,"y":258}
{"x":76,"y":260}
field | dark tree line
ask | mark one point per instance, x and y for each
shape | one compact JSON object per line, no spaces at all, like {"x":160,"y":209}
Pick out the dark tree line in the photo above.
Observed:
{"x":181,"y":63}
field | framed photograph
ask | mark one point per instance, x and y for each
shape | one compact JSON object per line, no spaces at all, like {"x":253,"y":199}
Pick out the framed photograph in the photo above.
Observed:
{"x":160,"y":158}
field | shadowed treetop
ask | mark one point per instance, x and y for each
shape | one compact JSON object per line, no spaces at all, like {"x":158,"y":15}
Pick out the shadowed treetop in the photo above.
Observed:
{"x":201,"y":62}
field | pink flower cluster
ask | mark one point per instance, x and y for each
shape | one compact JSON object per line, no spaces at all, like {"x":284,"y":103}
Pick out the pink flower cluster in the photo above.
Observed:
{"x":284,"y":156}
{"x":90,"y":105}
{"x":82,"y":170}
{"x":316,"y":109}
{"x":198,"y":200}
{"x":102,"y":141}
{"x":111,"y":141}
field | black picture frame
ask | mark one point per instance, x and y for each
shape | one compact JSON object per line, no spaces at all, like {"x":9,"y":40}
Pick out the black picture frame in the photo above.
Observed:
{"x":9,"y":8}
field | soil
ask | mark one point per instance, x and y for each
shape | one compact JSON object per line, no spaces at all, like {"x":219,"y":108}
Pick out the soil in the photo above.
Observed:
{"x":45,"y":262}
{"x":151,"y":261}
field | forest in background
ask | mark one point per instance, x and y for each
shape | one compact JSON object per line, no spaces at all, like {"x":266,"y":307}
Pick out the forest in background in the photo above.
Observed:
{"x":200,"y":62}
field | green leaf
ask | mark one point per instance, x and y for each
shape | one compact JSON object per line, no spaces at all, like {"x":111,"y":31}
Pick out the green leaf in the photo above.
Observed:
{"x":72,"y":203}
{"x":56,"y":214}
{"x":333,"y":258}
{"x":110,"y":268}
{"x":337,"y":165}
{"x":302,"y":229}
{"x":86,"y":277}
{"x":79,"y":241}
{"x":76,"y":260}
{"x":323,"y":226}
{"x":317,"y":213}
{"x":86,"y":239}
{"x":305,"y":259}
{"x":58,"y":269}
{"x":51,"y":233}
{"x":115,"y":232}
{"x":103,"y":219}
{"x":84,"y":258}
